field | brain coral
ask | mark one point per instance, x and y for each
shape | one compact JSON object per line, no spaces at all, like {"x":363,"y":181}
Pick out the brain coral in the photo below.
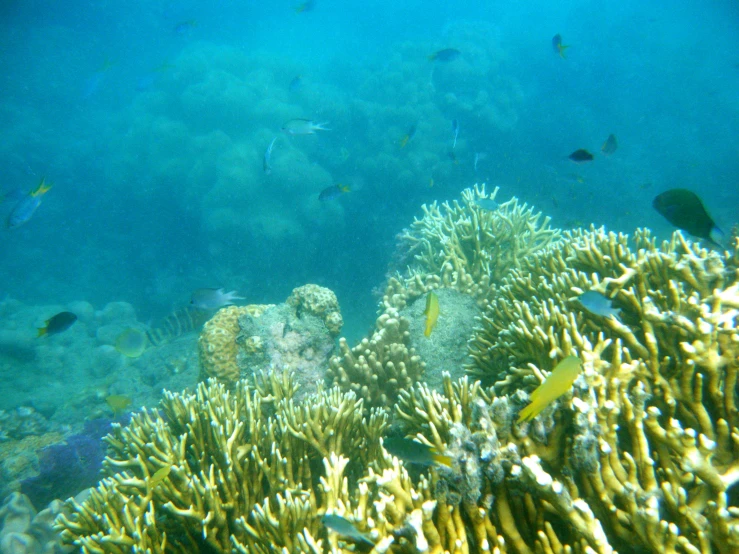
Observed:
{"x":217,"y":343}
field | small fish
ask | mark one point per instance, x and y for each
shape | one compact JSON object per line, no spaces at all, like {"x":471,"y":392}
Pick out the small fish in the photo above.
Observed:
{"x":57,"y":324}
{"x":334,"y":191}
{"x":213,"y":299}
{"x":303,"y":127}
{"x":580,"y":156}
{"x":431,"y":312}
{"x":184,"y":27}
{"x":344,"y":154}
{"x":23,"y":211}
{"x":558,"y":382}
{"x":445,"y":55}
{"x":610,"y":145}
{"x":557,"y":45}
{"x":414,"y":452}
{"x":118,"y":403}
{"x":345,"y":528}
{"x":159,"y":476}
{"x":296,"y":83}
{"x":306,"y":6}
{"x":598,"y":304}
{"x":455,"y":132}
{"x":487,"y":204}
{"x":684,"y":209}
{"x":267,"y":155}
{"x":131,"y":343}
{"x":408,"y":136}
{"x":431,"y":183}
{"x":180,"y":322}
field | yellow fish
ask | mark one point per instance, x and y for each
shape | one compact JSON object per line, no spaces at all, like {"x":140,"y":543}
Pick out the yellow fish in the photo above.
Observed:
{"x":555,"y":385}
{"x":159,"y":476}
{"x":431,"y":312}
{"x":118,"y":403}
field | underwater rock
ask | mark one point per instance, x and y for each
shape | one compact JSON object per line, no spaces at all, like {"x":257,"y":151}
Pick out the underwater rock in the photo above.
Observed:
{"x":285,"y":337}
{"x":445,"y":349}
{"x":23,"y":531}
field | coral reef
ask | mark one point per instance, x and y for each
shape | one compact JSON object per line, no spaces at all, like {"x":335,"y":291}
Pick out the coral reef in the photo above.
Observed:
{"x":247,"y":470}
{"x":24,"y":531}
{"x":67,"y":468}
{"x":298,"y":334}
{"x":655,"y":427}
{"x":320,"y":302}
{"x":380,"y":366}
{"x":217,"y":343}
{"x":475,"y":243}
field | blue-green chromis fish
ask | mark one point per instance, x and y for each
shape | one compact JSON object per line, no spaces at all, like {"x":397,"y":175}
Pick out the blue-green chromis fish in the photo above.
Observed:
{"x":27,"y":206}
{"x":345,"y":528}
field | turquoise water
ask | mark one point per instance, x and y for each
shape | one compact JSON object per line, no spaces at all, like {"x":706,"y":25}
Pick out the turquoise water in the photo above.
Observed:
{"x":152,"y":118}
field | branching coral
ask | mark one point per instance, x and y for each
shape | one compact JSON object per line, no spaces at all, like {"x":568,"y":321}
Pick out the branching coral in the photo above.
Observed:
{"x":655,"y":448}
{"x":378,"y":367}
{"x":476,"y":241}
{"x":237,"y":464}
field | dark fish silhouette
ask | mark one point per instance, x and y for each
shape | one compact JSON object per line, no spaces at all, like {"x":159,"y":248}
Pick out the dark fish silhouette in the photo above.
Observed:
{"x":557,"y":45}
{"x":685,"y":211}
{"x":610,"y":145}
{"x":57,"y":324}
{"x":445,"y":55}
{"x":414,"y":452}
{"x":581,"y":155}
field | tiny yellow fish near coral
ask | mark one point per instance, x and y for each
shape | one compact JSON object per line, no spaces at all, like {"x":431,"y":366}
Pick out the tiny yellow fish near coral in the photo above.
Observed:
{"x":159,"y":476}
{"x":118,"y":403}
{"x":431,"y":312}
{"x":555,"y":385}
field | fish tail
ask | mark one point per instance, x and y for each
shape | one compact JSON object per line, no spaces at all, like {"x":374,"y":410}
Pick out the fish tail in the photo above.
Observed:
{"x":42,"y":331}
{"x":443,"y":459}
{"x":42,"y":188}
{"x":530,"y":412}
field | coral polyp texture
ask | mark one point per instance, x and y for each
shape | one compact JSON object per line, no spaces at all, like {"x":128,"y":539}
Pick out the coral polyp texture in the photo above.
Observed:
{"x":217,"y":343}
{"x":298,"y":334}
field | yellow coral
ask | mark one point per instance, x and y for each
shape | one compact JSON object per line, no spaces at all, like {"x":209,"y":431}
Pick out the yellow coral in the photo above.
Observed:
{"x":217,"y":343}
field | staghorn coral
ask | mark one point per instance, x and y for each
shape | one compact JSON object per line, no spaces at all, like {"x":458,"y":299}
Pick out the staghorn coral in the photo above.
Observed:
{"x":655,"y":445}
{"x":240,"y":463}
{"x":481,"y":245}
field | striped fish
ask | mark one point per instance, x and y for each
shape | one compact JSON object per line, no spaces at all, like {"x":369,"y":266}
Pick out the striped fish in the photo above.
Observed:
{"x":178,"y":323}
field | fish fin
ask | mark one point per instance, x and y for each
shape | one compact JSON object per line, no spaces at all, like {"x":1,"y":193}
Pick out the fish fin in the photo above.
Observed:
{"x":530,"y":412}
{"x":443,"y":459}
{"x":562,"y":48}
{"x":42,"y":331}
{"x":42,"y":188}
{"x":344,"y":188}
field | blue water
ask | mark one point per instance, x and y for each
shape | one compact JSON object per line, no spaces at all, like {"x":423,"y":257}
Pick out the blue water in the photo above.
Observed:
{"x":153,"y":133}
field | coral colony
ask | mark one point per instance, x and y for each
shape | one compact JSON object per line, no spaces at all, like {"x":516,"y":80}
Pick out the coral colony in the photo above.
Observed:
{"x":640,"y":454}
